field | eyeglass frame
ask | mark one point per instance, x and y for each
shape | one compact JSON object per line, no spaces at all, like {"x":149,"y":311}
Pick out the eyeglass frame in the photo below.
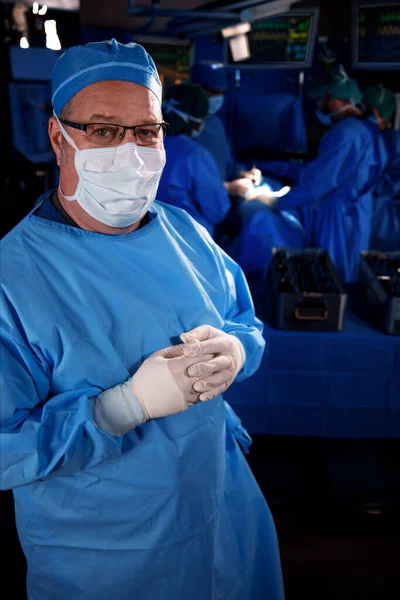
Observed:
{"x":84,"y":126}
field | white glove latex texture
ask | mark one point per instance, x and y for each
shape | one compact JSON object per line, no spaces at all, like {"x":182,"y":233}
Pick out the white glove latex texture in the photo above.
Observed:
{"x":215,"y":375}
{"x":173,"y":379}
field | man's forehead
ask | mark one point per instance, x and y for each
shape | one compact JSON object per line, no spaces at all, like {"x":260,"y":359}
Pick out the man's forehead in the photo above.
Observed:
{"x":105,"y":98}
{"x":114,"y":89}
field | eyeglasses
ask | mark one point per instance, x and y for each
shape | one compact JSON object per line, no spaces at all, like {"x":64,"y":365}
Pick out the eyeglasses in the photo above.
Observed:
{"x":110,"y":134}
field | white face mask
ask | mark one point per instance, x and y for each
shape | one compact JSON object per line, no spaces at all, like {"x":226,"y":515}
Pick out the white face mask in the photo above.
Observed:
{"x":326,"y":119}
{"x":116,"y":184}
{"x":215,"y":104}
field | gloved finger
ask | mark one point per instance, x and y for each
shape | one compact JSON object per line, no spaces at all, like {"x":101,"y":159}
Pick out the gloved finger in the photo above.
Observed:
{"x":210,"y":394}
{"x":203,"y":368}
{"x":218,"y":345}
{"x":171,"y":351}
{"x":203,"y":332}
{"x":189,"y":361}
{"x":179,"y":366}
{"x":194,"y":399}
{"x":218,"y":379}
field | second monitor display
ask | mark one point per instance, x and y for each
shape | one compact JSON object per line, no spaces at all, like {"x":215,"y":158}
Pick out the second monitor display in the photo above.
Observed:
{"x":286,"y":39}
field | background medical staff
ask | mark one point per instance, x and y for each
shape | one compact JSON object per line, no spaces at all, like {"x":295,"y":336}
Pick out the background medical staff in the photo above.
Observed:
{"x":212,"y":77}
{"x":334,"y":195}
{"x":190,"y":179}
{"x":381,"y":103}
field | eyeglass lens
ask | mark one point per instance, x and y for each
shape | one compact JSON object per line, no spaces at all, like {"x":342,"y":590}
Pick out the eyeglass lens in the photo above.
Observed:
{"x":108,"y":135}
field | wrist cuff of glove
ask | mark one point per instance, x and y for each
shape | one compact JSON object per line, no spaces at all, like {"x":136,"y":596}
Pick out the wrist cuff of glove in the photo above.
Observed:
{"x":117,"y":410}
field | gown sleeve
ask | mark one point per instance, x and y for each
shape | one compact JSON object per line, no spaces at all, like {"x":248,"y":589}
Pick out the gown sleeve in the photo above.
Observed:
{"x":209,"y":194}
{"x":43,"y":435}
{"x":233,"y":168}
{"x":325,"y":173}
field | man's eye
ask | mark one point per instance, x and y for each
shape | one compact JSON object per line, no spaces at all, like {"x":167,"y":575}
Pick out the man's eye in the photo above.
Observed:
{"x":104,"y":132}
{"x":145,"y":132}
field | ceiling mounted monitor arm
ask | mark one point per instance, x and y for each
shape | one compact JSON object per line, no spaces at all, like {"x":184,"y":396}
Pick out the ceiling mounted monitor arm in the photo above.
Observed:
{"x":143,"y":11}
{"x":267,"y":9}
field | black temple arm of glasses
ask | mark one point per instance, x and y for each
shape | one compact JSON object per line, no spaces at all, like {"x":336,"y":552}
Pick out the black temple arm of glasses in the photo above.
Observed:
{"x":74,"y":125}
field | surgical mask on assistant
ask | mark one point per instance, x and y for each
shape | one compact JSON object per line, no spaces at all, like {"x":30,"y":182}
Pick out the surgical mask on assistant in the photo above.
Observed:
{"x":215,"y":103}
{"x":327,"y":119}
{"x":117,"y":184}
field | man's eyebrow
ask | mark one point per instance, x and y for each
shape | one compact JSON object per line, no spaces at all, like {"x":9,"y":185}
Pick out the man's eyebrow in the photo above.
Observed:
{"x":102,"y":117}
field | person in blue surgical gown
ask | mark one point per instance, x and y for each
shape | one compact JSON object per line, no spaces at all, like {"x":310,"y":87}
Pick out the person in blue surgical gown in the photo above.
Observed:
{"x":381,"y":104}
{"x":212,"y":77}
{"x":334,"y":196}
{"x":190,"y":179}
{"x":122,"y":323}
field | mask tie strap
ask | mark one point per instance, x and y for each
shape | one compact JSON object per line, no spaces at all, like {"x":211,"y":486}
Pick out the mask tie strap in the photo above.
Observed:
{"x":65,"y":134}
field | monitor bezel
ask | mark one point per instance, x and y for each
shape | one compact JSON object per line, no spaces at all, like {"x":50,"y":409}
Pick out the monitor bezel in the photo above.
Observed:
{"x":308,"y":63}
{"x":370,"y":66}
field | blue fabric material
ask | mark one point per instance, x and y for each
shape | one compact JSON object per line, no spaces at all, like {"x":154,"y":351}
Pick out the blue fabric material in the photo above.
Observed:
{"x":191,"y":181}
{"x":286,"y":169}
{"x":214,"y":139}
{"x":257,"y":229}
{"x":391,"y":138}
{"x":81,"y":66}
{"x":385,"y":222}
{"x":272,"y":121}
{"x":340,"y":385}
{"x":334,"y":195}
{"x":171,"y":508}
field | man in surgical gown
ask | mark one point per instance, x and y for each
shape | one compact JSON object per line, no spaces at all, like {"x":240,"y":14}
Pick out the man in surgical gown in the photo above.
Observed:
{"x":334,"y":195}
{"x":122,"y":322}
{"x":190,"y":179}
{"x":381,"y":104}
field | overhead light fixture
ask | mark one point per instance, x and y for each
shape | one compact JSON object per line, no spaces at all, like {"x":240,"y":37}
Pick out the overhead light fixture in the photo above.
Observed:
{"x":241,"y":29}
{"x":270,"y":9}
{"x":239,"y":47}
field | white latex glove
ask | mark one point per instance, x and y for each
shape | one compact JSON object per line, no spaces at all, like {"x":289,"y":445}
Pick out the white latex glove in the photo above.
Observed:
{"x":162,"y":384}
{"x":160,"y":387}
{"x":264,"y":197}
{"x":238,"y":187}
{"x":214,"y":375}
{"x":254,"y":174}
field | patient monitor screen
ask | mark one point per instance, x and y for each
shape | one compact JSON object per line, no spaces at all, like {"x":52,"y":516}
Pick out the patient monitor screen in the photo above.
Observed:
{"x":377,"y":35}
{"x":172,"y":60}
{"x":284,"y":39}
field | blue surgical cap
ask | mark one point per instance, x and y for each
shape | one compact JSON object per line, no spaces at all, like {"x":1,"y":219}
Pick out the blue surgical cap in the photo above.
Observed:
{"x":81,"y":66}
{"x":209,"y":74}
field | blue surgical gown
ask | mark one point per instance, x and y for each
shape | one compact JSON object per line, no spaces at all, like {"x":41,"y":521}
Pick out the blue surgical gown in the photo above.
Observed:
{"x":254,"y":230}
{"x":214,"y":139}
{"x":170,"y":509}
{"x":191,"y":181}
{"x":334,"y":195}
{"x":386,"y":221}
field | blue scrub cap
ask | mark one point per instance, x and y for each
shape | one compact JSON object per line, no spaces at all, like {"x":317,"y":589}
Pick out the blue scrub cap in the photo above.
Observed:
{"x":81,"y":66}
{"x":209,"y":74}
{"x":337,"y":84}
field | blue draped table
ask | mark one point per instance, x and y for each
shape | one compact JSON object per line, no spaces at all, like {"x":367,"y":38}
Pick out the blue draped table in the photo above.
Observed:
{"x":340,"y":385}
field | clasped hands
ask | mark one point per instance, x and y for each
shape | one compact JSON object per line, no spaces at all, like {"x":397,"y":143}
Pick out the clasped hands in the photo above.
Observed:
{"x":199,"y":369}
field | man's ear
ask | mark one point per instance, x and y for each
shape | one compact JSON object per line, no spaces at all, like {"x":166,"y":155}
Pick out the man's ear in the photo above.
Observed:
{"x":55,"y":136}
